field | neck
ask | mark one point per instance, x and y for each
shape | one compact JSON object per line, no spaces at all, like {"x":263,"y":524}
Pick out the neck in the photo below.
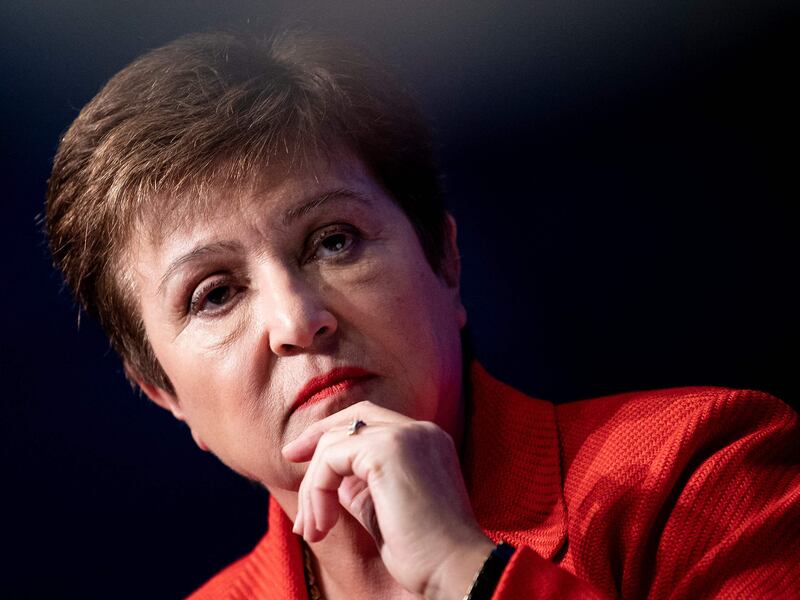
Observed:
{"x":346,"y":564}
{"x":349,"y":566}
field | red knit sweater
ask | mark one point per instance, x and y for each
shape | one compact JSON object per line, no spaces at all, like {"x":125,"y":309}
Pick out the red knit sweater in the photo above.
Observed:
{"x":682,"y":493}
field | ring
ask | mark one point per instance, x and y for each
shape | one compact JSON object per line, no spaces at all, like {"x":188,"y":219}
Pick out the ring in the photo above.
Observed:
{"x":353,"y":428}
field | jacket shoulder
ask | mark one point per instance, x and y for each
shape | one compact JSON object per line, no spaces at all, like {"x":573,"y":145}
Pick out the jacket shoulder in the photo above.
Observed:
{"x":647,"y":472}
{"x":640,"y":422}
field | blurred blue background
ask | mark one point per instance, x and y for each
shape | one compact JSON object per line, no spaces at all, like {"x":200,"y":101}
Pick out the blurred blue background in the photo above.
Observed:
{"x":623,"y":175}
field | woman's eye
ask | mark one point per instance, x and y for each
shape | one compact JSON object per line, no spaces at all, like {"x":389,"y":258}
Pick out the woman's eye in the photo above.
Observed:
{"x":219,"y":296}
{"x":213,"y":298}
{"x":331,"y":243}
{"x":336,"y":242}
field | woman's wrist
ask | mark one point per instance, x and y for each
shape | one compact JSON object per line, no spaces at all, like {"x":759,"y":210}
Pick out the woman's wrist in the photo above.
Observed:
{"x":455,"y":575}
{"x":487,"y":578}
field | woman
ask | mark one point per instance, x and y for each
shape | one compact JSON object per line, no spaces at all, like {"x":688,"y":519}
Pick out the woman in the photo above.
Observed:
{"x":259,"y":228}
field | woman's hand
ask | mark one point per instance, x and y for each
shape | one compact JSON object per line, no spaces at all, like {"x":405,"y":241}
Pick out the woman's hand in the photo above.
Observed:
{"x":402,"y":481}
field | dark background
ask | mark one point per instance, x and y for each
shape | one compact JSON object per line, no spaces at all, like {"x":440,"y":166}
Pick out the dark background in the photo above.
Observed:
{"x":622,"y":172}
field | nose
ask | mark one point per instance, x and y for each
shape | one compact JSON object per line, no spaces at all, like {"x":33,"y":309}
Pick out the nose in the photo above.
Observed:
{"x":297,"y":318}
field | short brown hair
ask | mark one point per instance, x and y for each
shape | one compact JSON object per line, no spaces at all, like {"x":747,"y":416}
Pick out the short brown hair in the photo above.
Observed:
{"x":214,"y":109}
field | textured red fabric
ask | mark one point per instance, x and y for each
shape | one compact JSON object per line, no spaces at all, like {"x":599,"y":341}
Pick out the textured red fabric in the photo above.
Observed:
{"x":681,"y":493}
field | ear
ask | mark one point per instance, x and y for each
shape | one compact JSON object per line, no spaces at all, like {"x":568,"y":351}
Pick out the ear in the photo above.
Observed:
{"x":162,"y":397}
{"x":451,"y":266}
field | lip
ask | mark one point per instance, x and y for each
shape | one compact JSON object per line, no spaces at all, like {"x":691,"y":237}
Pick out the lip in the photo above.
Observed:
{"x":334,"y":381}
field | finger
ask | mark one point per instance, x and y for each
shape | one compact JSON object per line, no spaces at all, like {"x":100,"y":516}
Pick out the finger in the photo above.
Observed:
{"x":331,"y":465}
{"x":319,"y":491}
{"x":305,"y":446}
{"x":321,"y":485}
{"x":305,"y":521}
{"x":355,"y":497}
{"x":302,"y":448}
{"x":298,"y":519}
{"x":319,"y":513}
{"x":309,"y":522}
{"x":326,"y":508}
{"x":351,"y":487}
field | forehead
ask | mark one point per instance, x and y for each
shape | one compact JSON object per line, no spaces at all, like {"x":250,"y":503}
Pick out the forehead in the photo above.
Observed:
{"x":276,"y":190}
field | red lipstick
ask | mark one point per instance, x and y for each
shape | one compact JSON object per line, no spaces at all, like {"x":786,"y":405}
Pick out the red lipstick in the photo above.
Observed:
{"x":333,"y":382}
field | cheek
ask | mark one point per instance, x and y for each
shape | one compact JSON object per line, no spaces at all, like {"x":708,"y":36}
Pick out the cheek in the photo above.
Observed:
{"x":410,"y":313}
{"x":213,"y":387}
{"x":226,"y":407}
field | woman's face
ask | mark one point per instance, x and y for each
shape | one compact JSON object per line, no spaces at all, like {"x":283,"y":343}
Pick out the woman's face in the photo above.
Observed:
{"x":254,"y":309}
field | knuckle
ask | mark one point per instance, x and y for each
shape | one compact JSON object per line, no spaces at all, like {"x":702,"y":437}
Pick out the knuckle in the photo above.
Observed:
{"x":325,"y":440}
{"x":414,"y":434}
{"x":318,"y":488}
{"x":429,"y":427}
{"x":395,"y":440}
{"x":365,"y":404}
{"x":431,"y":431}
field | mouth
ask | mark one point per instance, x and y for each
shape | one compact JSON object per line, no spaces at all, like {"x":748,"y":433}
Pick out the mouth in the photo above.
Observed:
{"x":334,"y":382}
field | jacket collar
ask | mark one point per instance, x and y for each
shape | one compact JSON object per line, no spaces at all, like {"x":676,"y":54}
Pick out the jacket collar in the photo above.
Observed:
{"x":512,"y":466}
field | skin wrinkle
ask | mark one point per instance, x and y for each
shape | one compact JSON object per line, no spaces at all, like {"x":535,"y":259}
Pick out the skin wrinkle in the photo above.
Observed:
{"x":196,"y":255}
{"x":295,"y":213}
{"x":236,"y":332}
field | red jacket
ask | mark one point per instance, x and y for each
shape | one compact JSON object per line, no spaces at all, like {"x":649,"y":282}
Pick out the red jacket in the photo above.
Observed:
{"x":682,"y":493}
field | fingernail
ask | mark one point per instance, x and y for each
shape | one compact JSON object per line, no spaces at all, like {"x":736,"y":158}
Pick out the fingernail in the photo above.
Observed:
{"x":297,"y":521}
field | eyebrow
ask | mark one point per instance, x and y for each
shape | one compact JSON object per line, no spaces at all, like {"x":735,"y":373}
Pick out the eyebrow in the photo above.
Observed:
{"x":193,"y":255}
{"x":296,"y":212}
{"x":290,"y":216}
